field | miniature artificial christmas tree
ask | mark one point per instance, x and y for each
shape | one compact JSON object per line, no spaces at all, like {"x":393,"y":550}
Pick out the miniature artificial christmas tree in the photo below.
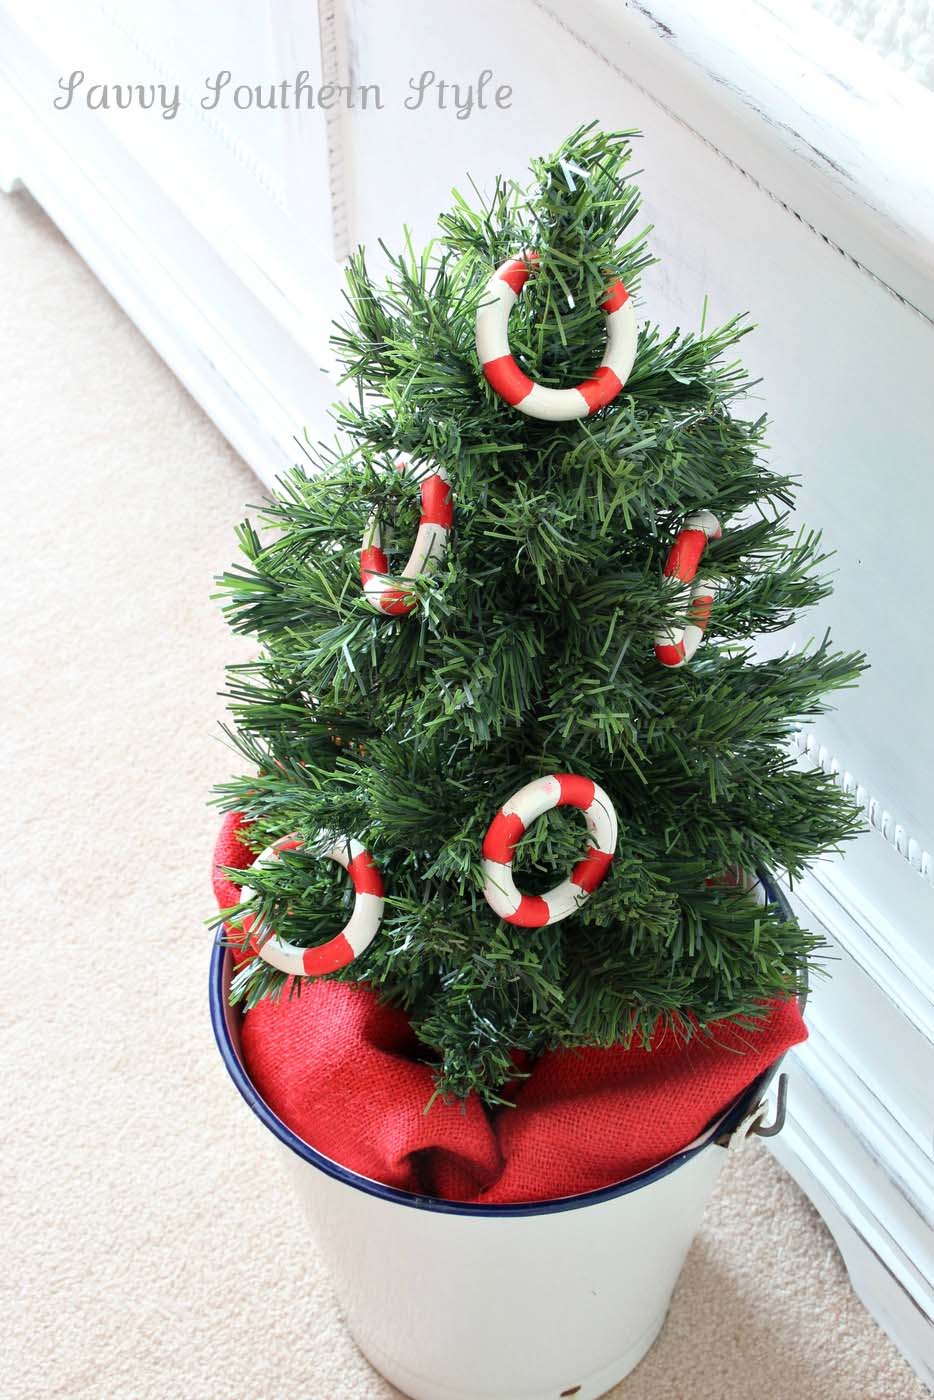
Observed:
{"x":485,"y":606}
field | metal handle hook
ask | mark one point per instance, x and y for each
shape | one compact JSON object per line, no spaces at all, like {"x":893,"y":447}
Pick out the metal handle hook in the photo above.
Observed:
{"x":753,"y":1123}
{"x":781,"y":1106}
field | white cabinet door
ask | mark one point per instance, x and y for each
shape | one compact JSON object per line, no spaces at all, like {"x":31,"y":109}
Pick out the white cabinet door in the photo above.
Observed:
{"x":213,"y":223}
{"x":227,"y":145}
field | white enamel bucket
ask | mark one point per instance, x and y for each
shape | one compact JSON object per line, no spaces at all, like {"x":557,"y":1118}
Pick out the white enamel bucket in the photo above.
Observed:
{"x":452,"y":1301}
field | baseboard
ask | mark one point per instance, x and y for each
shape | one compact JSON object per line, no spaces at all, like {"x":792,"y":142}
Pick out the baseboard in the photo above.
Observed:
{"x":861,"y":1153}
{"x":883,"y":1278}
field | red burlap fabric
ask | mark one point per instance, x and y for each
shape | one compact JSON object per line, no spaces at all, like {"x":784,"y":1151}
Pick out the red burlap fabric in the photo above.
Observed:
{"x":346,"y":1075}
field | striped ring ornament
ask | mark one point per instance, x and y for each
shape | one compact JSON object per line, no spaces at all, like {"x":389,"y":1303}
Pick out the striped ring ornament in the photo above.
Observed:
{"x":430,"y":546}
{"x":509,"y":826}
{"x":344,"y":946}
{"x":676,"y":646}
{"x":508,"y":380}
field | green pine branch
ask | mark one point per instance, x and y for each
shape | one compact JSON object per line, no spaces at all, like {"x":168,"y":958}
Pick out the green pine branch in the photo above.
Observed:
{"x":530,"y":651}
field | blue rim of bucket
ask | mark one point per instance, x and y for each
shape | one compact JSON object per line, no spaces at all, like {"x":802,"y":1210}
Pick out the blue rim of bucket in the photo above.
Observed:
{"x":726,"y":1125}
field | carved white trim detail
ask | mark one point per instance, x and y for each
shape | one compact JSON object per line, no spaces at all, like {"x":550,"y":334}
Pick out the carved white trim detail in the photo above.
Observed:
{"x":805,"y":745}
{"x":335,"y":70}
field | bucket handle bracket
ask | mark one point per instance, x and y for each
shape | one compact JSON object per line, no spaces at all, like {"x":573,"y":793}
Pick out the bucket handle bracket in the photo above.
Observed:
{"x":754,"y":1124}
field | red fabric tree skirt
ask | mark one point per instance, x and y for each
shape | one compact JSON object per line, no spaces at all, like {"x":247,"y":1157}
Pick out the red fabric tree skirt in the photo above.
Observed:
{"x":345,"y":1074}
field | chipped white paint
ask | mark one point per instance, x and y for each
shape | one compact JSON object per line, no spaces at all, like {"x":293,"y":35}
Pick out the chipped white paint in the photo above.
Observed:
{"x":819,"y":121}
{"x":902,"y":31}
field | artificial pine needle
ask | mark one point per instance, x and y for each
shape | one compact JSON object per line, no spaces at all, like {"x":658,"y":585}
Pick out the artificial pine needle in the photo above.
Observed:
{"x":532,"y":652}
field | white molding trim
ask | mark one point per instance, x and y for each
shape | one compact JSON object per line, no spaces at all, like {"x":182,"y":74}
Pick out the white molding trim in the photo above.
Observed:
{"x":807,"y":746}
{"x":336,"y":70}
{"x":833,"y":1173}
{"x":865,"y":1160}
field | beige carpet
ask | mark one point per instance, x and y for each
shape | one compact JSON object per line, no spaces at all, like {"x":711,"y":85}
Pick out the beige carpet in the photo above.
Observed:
{"x":141,"y":1256}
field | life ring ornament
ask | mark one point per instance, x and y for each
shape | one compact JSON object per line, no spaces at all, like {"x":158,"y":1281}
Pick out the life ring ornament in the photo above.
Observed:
{"x":431,"y":542}
{"x":510,"y":825}
{"x":675,"y":646}
{"x":353,"y":939}
{"x":512,"y":384}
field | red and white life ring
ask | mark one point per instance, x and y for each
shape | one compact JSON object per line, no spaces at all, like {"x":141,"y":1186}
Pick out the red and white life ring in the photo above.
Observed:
{"x":431,"y":542}
{"x":357,"y":935}
{"x":509,"y":826}
{"x":513,"y":385}
{"x":675,"y":646}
